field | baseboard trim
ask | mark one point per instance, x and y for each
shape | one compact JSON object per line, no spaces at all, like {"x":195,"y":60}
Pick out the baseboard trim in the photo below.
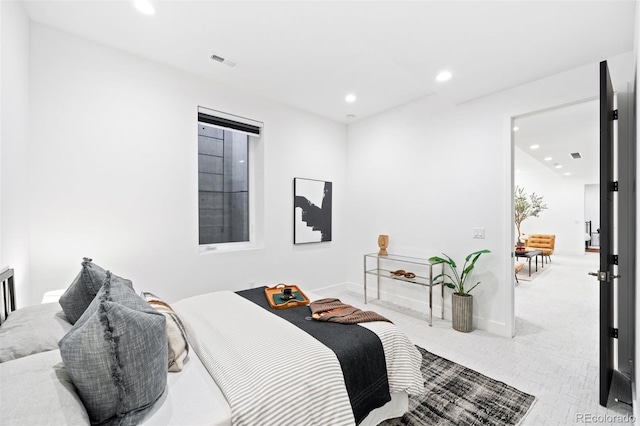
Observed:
{"x":335,"y":287}
{"x":418,"y":305}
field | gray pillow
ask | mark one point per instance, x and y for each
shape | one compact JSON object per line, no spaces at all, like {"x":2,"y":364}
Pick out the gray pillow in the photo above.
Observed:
{"x":31,"y":330}
{"x":36,"y":390}
{"x":116,"y":355}
{"x":82,"y":290}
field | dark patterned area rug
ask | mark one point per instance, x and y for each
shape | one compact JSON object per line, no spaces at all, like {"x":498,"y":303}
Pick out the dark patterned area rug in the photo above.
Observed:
{"x":456,"y":395}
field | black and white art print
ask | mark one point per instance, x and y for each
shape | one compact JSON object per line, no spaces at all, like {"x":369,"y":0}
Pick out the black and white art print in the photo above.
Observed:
{"x":312,"y":211}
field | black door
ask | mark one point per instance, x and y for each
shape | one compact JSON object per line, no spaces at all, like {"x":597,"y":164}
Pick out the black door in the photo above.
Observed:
{"x":605,"y":274}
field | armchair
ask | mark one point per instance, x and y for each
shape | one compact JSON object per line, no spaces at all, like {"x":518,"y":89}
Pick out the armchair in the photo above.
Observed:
{"x":544,"y":242}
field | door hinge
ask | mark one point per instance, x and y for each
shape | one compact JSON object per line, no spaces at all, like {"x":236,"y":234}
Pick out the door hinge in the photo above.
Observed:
{"x":614,"y":259}
{"x":614,"y":114}
{"x":613,"y":186}
{"x":615,"y":333}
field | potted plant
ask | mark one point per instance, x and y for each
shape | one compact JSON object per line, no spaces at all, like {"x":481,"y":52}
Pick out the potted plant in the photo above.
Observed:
{"x":526,"y":206}
{"x":461,"y":300}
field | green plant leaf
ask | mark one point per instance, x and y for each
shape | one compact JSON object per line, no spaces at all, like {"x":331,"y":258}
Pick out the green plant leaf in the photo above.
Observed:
{"x":477,"y":254}
{"x":458,"y":281}
{"x":469,"y":291}
{"x":526,"y":206}
{"x":443,"y":275}
{"x":451,"y":261}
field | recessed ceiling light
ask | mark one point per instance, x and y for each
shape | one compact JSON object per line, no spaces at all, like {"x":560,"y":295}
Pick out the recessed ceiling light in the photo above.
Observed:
{"x":534,"y":146}
{"x":516,"y":128}
{"x":548,"y":158}
{"x":443,"y":76}
{"x":350,"y":116}
{"x":144,"y":6}
{"x":350,"y":98}
{"x":557,"y":166}
{"x":567,"y":174}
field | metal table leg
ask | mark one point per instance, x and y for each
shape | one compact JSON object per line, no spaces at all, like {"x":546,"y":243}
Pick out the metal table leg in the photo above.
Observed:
{"x":365,"y":279}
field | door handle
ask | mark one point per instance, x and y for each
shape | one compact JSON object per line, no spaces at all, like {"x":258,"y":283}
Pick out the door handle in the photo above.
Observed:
{"x":604,"y":276}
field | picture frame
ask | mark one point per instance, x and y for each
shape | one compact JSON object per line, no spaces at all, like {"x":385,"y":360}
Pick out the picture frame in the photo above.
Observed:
{"x":312,"y":204}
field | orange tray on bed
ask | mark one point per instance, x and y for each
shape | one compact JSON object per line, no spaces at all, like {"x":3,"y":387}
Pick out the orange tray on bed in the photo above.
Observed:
{"x":272,"y":294}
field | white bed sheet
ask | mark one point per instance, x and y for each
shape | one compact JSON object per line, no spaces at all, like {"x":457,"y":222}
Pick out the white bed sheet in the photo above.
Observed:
{"x":193,"y":398}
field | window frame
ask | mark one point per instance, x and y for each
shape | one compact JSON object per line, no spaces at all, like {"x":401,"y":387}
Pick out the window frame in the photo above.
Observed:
{"x":255,"y":158}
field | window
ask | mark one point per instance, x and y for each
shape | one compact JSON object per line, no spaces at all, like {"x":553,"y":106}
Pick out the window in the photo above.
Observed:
{"x":224,"y":183}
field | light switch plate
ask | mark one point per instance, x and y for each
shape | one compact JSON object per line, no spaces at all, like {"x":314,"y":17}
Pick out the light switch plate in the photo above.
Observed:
{"x":478,"y":233}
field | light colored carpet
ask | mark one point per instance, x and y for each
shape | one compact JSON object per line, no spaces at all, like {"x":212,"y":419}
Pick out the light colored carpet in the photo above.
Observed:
{"x":523,"y":275}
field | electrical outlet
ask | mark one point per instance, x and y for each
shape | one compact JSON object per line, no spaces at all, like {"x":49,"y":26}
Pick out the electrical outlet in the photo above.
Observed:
{"x":478,"y":233}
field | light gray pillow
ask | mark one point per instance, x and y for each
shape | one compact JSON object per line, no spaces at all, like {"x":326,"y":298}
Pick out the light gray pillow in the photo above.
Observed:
{"x":36,"y":390}
{"x":116,"y":355}
{"x":31,"y":330}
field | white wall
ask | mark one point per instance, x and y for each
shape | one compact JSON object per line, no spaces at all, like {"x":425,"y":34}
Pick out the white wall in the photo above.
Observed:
{"x":564,"y":197}
{"x":114,"y":175}
{"x":14,"y":168}
{"x":428,"y":172}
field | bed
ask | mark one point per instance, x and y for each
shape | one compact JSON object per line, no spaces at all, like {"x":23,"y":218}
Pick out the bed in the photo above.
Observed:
{"x":236,"y":361}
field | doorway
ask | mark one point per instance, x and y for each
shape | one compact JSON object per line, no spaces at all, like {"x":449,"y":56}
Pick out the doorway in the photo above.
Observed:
{"x":559,"y":162}
{"x":556,"y":158}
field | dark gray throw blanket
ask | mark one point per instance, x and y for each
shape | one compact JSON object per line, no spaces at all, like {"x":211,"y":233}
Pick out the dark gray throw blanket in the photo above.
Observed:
{"x":358,"y":350}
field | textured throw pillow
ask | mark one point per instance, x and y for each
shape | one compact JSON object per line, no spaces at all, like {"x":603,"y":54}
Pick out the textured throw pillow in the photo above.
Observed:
{"x":82,"y":290}
{"x":116,"y":355}
{"x":31,"y":330}
{"x":177,"y":345}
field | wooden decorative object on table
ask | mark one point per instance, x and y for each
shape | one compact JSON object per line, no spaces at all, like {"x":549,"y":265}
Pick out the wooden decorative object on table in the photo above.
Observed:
{"x":383,"y":243}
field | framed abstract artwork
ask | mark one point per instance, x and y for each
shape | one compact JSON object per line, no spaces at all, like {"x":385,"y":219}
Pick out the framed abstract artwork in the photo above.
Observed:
{"x":312,"y":211}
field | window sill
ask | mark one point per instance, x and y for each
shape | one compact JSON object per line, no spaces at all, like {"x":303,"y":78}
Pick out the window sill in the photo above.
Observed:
{"x":228,"y":247}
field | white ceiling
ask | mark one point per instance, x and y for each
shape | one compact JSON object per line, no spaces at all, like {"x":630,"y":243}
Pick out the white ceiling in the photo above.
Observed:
{"x":310,"y":54}
{"x":560,"y":132}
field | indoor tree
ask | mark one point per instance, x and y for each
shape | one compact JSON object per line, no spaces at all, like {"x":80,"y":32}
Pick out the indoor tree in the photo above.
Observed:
{"x":526,"y":206}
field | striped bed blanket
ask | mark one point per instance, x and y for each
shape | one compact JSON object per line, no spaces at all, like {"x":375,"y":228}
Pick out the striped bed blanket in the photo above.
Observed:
{"x":272,"y":372}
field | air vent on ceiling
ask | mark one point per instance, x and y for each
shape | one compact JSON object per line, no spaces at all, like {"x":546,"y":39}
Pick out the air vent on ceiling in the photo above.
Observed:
{"x":222,"y":60}
{"x":576,"y":155}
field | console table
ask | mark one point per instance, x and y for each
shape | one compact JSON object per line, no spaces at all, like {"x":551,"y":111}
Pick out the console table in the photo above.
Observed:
{"x":381,"y":267}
